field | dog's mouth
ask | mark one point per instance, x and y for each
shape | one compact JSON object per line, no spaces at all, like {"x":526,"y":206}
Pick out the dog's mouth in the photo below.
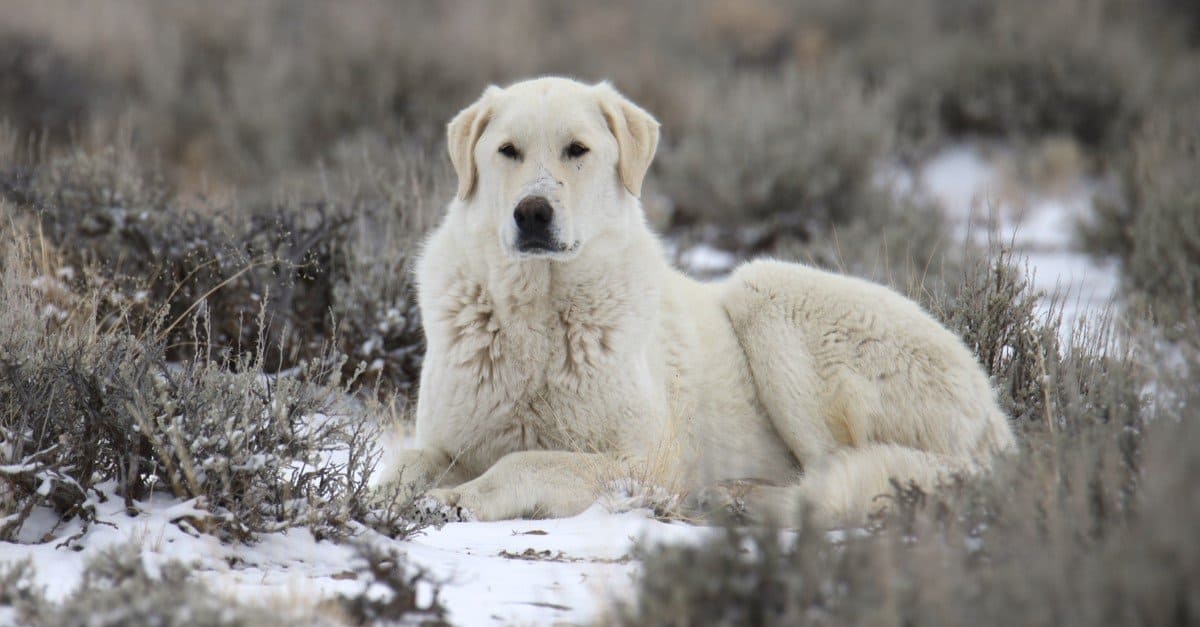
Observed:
{"x":538,"y":246}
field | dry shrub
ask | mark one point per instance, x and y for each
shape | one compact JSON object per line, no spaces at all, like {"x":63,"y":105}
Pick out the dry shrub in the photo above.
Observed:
{"x":390,"y":595}
{"x":1089,"y":523}
{"x":902,"y":241}
{"x":397,"y":196}
{"x":1049,"y":378}
{"x":788,"y":165}
{"x":87,"y":413}
{"x":104,"y":209}
{"x":41,"y":89}
{"x":1087,"y":69}
{"x":281,"y":279}
{"x":771,"y":109}
{"x":1058,"y":538}
{"x":995,"y":310}
{"x":1154,"y":226}
{"x":243,"y":91}
{"x":752,"y":146}
{"x":1022,"y":70}
{"x":1013,"y":87}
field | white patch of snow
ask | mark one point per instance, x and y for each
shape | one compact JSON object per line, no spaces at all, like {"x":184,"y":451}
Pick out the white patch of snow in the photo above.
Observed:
{"x":976,"y":198}
{"x":503,"y":573}
{"x":960,"y":179}
{"x":540,"y":571}
{"x":705,"y":260}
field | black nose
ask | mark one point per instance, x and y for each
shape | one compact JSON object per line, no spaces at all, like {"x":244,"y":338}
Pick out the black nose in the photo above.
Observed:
{"x":533,"y":216}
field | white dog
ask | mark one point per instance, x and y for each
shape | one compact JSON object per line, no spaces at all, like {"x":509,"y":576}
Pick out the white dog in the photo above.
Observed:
{"x":564,"y":351}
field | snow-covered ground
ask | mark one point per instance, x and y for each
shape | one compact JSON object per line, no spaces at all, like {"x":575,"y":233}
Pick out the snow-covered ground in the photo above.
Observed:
{"x":520,"y":572}
{"x":528,"y":572}
{"x":980,"y":197}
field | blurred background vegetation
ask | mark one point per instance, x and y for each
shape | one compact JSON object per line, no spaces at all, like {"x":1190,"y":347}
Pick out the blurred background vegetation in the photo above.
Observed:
{"x":298,"y":144}
{"x":245,"y":182}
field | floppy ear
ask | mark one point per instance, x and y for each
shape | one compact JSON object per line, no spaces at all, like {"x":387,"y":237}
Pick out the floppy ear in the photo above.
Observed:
{"x":461,"y":135}
{"x":636,"y":132}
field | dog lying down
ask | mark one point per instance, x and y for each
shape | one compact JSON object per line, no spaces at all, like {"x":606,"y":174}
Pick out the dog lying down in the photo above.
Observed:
{"x":566,"y":353}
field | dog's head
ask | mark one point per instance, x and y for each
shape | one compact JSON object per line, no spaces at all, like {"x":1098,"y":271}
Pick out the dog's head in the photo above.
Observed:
{"x":552,"y":163}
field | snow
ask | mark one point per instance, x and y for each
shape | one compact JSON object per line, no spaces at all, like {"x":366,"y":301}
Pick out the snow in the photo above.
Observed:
{"x":705,"y":260}
{"x":979,"y":199}
{"x":503,"y":573}
{"x":538,"y":571}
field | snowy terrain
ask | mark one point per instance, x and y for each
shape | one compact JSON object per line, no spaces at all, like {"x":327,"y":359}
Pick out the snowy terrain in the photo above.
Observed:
{"x":978,"y":197}
{"x":507,"y":573}
{"x":549,"y":571}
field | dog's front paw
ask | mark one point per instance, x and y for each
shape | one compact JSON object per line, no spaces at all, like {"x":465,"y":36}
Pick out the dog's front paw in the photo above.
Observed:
{"x":439,"y":507}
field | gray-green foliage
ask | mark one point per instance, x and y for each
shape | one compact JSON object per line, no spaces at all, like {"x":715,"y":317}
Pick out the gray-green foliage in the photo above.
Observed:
{"x":752,"y":146}
{"x":1018,"y":76}
{"x":232,"y":94}
{"x":81,"y":406}
{"x":994,"y":308}
{"x":1153,"y":227}
{"x":283,"y":278}
{"x":396,"y":196}
{"x":263,"y":274}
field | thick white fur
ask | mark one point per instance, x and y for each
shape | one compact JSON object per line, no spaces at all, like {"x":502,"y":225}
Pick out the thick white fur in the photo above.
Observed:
{"x":546,"y":374}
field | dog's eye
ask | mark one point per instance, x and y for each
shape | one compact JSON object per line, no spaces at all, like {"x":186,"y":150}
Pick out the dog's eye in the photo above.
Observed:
{"x":510,"y":151}
{"x":576,"y":150}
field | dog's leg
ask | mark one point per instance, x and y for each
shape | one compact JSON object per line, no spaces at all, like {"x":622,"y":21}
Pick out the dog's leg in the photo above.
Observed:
{"x":523,"y":484}
{"x":410,"y":472}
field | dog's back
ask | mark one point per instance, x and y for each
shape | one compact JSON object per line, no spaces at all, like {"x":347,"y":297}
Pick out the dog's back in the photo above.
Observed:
{"x":844,"y":365}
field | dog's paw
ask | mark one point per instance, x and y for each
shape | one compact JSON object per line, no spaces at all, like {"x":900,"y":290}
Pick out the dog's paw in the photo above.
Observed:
{"x":439,"y":507}
{"x":735,"y":501}
{"x":715,"y":504}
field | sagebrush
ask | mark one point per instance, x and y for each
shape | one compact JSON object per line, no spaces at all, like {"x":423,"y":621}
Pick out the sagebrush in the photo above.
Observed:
{"x":91,"y":413}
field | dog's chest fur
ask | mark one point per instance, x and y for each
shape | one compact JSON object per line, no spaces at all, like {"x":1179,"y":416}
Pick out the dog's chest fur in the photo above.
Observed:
{"x":534,"y":359}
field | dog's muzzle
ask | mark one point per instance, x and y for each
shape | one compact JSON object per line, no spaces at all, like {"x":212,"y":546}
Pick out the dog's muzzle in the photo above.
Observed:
{"x":534,"y":217}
